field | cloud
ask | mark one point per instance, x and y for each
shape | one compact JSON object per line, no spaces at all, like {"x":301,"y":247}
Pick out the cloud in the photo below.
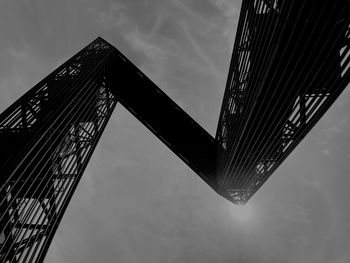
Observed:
{"x":175,"y":49}
{"x":20,"y":70}
{"x":113,"y":18}
{"x":55,"y":255}
{"x":326,"y":152}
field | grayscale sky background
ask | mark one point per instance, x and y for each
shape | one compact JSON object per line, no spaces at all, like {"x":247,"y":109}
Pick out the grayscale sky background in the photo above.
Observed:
{"x":137,"y":202}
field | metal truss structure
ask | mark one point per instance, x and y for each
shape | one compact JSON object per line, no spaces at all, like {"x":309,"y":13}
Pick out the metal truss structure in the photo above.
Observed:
{"x":50,"y":133}
{"x":47,"y":139}
{"x":289,"y":64}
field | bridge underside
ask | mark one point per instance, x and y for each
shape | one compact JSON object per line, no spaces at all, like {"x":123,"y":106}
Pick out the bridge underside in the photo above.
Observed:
{"x":48,"y":136}
{"x":289,"y":64}
{"x":150,"y":105}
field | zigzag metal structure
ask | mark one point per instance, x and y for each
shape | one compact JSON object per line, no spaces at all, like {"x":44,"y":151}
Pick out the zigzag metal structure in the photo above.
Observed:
{"x":290,"y":62}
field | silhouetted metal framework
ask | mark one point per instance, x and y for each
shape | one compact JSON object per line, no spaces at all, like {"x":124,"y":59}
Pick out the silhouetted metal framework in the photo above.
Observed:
{"x":47,"y":138}
{"x":290,"y":62}
{"x":49,"y":135}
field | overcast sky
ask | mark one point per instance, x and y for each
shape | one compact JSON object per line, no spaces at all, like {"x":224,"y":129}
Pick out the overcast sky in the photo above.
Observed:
{"x":137,"y":202}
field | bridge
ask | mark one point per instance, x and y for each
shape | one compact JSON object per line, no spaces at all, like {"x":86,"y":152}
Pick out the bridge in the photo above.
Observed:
{"x":289,"y":64}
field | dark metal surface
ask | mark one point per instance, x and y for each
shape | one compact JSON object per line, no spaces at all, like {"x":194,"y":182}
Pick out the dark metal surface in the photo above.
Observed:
{"x":47,"y":138}
{"x":49,"y":135}
{"x":289,"y":63}
{"x":172,"y":125}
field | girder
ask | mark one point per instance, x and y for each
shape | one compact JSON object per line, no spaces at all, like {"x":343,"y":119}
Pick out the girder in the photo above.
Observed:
{"x":49,"y":135}
{"x":289,"y":64}
{"x":47,"y":139}
{"x":161,"y":115}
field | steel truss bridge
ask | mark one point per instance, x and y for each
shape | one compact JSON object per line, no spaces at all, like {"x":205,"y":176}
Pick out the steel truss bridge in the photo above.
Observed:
{"x":289,"y":64}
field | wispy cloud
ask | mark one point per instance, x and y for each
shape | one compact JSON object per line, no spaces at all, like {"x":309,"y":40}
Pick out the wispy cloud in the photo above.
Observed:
{"x":112,"y":18}
{"x":20,"y":71}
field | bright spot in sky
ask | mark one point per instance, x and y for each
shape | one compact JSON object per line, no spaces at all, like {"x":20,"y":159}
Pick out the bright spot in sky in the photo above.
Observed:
{"x":242,"y":213}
